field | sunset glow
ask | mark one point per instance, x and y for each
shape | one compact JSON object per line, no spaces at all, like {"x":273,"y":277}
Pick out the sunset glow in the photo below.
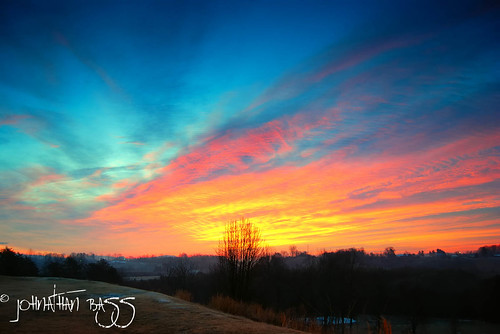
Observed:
{"x":139,"y":129}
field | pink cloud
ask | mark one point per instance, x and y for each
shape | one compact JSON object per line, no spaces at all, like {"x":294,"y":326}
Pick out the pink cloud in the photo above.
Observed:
{"x":13,"y":119}
{"x":309,"y":204}
{"x":365,"y":53}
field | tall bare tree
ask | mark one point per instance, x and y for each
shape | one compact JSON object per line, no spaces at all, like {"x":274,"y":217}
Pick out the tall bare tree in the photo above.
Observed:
{"x":239,"y":251}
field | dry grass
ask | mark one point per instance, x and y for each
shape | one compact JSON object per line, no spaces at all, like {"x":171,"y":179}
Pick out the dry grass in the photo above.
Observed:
{"x":184,"y":295}
{"x":258,"y":313}
{"x":252,"y":311}
{"x":155,"y":312}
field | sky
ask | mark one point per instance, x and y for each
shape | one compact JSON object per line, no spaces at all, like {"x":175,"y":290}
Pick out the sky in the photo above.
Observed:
{"x":143,"y":127}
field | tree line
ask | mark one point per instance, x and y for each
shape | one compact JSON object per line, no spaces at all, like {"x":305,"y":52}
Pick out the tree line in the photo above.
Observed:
{"x":73,"y":266}
{"x":337,"y":287}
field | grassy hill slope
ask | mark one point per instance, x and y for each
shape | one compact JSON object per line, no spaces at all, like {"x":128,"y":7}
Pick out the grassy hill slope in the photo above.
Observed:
{"x":155,"y":312}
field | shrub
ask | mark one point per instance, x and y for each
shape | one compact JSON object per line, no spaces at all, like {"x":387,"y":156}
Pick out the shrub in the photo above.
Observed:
{"x":184,"y":295}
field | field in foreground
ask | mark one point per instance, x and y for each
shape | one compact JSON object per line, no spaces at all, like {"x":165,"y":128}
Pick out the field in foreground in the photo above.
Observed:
{"x":155,"y":312}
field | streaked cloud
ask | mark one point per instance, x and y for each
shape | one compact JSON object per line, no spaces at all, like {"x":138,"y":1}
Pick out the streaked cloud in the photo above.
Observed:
{"x":362,"y":125}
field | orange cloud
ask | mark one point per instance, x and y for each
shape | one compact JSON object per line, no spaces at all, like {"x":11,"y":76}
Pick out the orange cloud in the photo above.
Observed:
{"x":338,"y":201}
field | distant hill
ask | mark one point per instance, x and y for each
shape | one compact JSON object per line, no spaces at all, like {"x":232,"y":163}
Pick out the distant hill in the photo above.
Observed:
{"x":155,"y":312}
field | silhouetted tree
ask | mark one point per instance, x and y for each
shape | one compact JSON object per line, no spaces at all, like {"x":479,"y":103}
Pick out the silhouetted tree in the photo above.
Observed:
{"x":294,"y":251}
{"x":181,"y":273}
{"x":54,"y":269}
{"x":73,"y":268}
{"x":15,"y":264}
{"x":239,"y":251}
{"x":487,"y":251}
{"x":390,"y":251}
{"x":102,"y":271}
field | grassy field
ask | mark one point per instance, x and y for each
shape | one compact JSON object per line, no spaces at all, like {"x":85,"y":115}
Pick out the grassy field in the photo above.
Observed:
{"x":155,"y":312}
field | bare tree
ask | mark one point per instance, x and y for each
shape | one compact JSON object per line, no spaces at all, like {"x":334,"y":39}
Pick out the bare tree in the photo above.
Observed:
{"x":239,"y":251}
{"x":390,"y":252}
{"x":294,"y":251}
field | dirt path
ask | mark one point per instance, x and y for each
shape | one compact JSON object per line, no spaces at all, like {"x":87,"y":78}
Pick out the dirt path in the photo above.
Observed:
{"x":154,"y":312}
